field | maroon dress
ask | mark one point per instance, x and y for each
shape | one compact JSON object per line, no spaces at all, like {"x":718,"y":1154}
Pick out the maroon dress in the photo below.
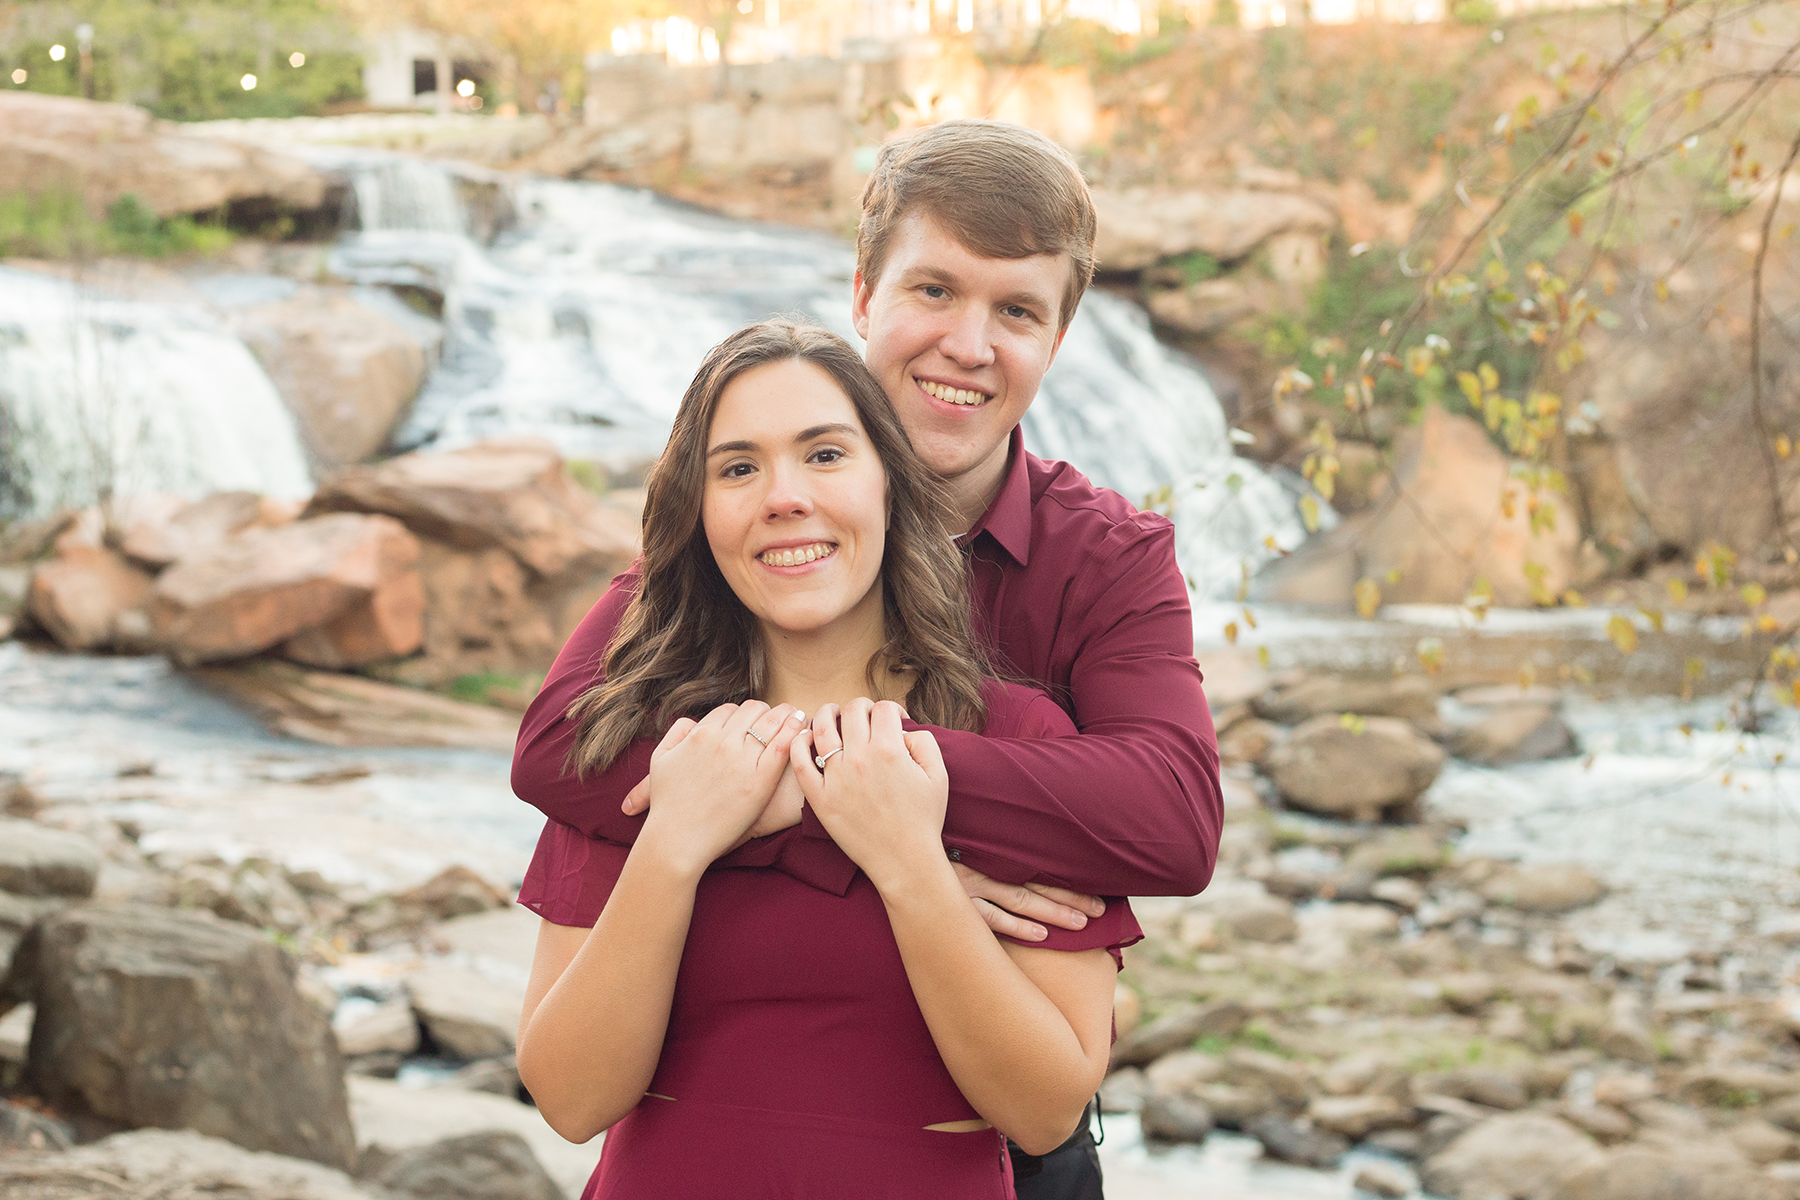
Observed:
{"x":796,"y":1063}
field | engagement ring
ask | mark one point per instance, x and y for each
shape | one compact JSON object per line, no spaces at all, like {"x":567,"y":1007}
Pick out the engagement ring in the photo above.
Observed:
{"x":819,"y":759}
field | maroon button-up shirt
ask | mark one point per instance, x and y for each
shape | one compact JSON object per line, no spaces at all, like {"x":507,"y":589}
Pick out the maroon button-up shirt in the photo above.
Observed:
{"x":1077,"y":592}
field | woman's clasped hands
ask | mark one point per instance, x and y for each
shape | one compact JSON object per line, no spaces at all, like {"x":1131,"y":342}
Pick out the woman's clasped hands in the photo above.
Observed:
{"x":713,"y":779}
{"x":882,"y":792}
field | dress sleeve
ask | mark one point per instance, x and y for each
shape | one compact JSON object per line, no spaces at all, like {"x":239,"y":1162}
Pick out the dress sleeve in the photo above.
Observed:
{"x":571,"y":875}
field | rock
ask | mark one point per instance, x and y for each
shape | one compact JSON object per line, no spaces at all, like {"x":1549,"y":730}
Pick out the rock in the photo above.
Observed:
{"x":158,"y":538}
{"x":1763,"y":1143}
{"x":512,"y":494}
{"x":346,"y":710}
{"x":18,"y":916}
{"x":256,"y":893}
{"x":1398,"y":891}
{"x":105,"y":151}
{"x":1356,"y":1117}
{"x":1141,"y":226}
{"x":492,"y":1165}
{"x":387,"y":623}
{"x":171,"y":1164}
{"x":1520,"y":1156}
{"x":1603,"y":1121}
{"x":1623,"y":1088}
{"x":1177,"y":1029}
{"x":91,"y":599}
{"x":263,"y":586}
{"x":1355,"y":1073}
{"x":1288,"y":1081}
{"x":1478,"y":1085}
{"x":1123,"y":1091}
{"x":1202,"y":308}
{"x":1450,"y":530}
{"x":1297,"y":1142}
{"x":1637,"y":1173}
{"x":15,"y":1043}
{"x":36,"y":860}
{"x":1183,"y":1071}
{"x":1398,"y":852}
{"x":391,"y":1118}
{"x":1736,"y":1084}
{"x":1514,"y":733}
{"x":1412,"y":697}
{"x":1233,"y":1104}
{"x":1128,"y":1010}
{"x":456,"y":891}
{"x":1544,"y":888}
{"x":175,"y":1019}
{"x":1467,"y":991}
{"x":1174,"y":1117}
{"x":1250,"y":913}
{"x":1326,"y":767}
{"x":1249,"y":741}
{"x":1198,"y":931}
{"x":346,"y":370}
{"x":1784,"y":1113}
{"x":467,"y":1014}
{"x":25,"y":1129}
{"x":389,"y":1028}
{"x":1385,"y":1179}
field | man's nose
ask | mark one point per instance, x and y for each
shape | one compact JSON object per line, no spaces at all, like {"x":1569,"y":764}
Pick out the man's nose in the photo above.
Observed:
{"x":966,"y":342}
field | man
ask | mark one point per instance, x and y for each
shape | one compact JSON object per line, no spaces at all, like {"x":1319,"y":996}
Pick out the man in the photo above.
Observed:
{"x":975,"y":246}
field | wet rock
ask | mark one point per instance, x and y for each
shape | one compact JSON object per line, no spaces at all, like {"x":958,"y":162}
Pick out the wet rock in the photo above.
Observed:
{"x":1514,"y":733}
{"x":1123,"y":1091}
{"x":512,"y":494}
{"x":1543,"y":888}
{"x":1175,"y":1117}
{"x":1385,"y":1179}
{"x":1520,"y":1156}
{"x":154,"y":1017}
{"x":1202,"y":308}
{"x":263,"y":586}
{"x":26,"y":1129}
{"x":469,"y":1015}
{"x":157,"y":538}
{"x":1403,"y":1143}
{"x":1177,"y":1029}
{"x":1360,"y":772}
{"x":491,"y":1165}
{"x":1297,"y":1141}
{"x":1638,"y":1173}
{"x":1249,"y":741}
{"x":171,"y":1163}
{"x":105,"y":151}
{"x":1356,"y":1117}
{"x":91,"y":599}
{"x":1411,"y":697}
{"x":1183,"y":1071}
{"x":346,"y":710}
{"x":36,"y":860}
{"x":347,"y":371}
{"x":1140,"y":226}
{"x":389,"y":1028}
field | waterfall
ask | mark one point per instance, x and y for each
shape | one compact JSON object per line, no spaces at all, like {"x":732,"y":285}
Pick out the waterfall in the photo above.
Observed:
{"x":584,"y":322}
{"x":107,"y":396}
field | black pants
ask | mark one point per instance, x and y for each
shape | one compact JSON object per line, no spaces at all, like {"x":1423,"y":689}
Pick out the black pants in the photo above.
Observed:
{"x":1069,"y":1172}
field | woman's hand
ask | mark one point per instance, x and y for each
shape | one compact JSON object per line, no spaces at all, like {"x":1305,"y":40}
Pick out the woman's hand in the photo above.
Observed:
{"x":713,"y":778}
{"x":882,"y":792}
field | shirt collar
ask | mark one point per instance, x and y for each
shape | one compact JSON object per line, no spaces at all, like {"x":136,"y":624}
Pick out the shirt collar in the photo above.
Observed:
{"x":1008,"y":518}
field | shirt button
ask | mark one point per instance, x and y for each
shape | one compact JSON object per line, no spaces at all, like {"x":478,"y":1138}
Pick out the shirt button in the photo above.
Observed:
{"x":956,"y":856}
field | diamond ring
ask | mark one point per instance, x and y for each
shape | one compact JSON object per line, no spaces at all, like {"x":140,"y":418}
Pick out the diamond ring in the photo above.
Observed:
{"x":819,"y":759}
{"x":759,"y":737}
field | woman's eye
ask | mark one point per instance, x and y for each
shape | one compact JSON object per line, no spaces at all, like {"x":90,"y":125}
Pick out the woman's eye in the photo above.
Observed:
{"x":827,"y":456}
{"x":737,"y":470}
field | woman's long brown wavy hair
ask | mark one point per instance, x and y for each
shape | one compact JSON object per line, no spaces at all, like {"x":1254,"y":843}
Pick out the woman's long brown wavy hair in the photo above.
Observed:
{"x":687,"y":644}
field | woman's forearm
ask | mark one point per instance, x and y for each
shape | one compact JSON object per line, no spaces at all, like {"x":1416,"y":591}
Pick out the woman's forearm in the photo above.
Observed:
{"x":1019,"y":1059}
{"x":589,"y":1048}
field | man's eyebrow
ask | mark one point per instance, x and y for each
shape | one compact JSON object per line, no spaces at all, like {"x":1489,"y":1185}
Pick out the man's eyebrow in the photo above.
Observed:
{"x":805,"y":435}
{"x":925,"y":273}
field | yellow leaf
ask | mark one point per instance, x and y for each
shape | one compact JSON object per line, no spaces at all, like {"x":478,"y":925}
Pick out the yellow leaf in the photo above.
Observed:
{"x":1431,"y":654}
{"x":1309,"y":513}
{"x":1654,"y":616}
{"x":1754,"y":594}
{"x":1352,"y":722}
{"x":1249,"y":618}
{"x":1262,"y":657}
{"x":1575,"y":224}
{"x":1574,"y":599}
{"x":1678,"y":590}
{"x":1783,"y":446}
{"x":1623,"y":633}
{"x":1392,"y":577}
{"x":1662,"y":289}
{"x":1231,"y":632}
{"x":1767,"y":624}
{"x":1368,"y":597}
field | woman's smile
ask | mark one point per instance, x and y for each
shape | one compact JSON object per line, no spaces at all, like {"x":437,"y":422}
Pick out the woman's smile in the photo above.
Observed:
{"x":796,"y":558}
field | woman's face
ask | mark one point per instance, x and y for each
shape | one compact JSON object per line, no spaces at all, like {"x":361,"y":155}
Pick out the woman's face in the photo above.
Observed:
{"x":795,"y":508}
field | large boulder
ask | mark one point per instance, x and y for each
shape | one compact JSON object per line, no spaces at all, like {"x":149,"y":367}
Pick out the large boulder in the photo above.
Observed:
{"x":1177,"y":1028}
{"x":469,"y":1014}
{"x":1642,"y":1173}
{"x":1514,"y":733}
{"x":513,"y":494}
{"x":157,"y":535}
{"x":1354,"y":768}
{"x":347,"y":371}
{"x":105,"y":151}
{"x":1140,"y":226}
{"x":348,"y":710}
{"x":1410,"y":696}
{"x":36,"y":860}
{"x":172,"y":1164}
{"x":1458,"y":517}
{"x":1543,"y":887}
{"x":263,"y":586}
{"x":91,"y":598}
{"x":1520,"y":1156}
{"x":491,"y":1165}
{"x":149,"y":1016}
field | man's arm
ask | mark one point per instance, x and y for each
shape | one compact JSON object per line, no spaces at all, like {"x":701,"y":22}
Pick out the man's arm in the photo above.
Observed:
{"x":1132,"y":806}
{"x":540,"y":776}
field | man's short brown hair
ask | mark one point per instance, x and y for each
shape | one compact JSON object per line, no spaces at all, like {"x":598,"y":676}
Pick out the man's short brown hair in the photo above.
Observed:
{"x":1002,"y":190}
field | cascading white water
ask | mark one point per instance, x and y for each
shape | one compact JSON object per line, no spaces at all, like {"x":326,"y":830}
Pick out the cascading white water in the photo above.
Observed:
{"x":105,"y":396}
{"x":585,"y":322}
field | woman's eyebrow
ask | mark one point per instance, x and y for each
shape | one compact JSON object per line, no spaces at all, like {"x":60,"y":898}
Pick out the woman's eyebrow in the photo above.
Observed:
{"x":805,"y":435}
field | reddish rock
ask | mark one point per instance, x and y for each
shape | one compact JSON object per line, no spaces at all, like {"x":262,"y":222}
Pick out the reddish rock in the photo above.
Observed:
{"x":389,"y":623}
{"x":263,"y":586}
{"x":158,"y":534}
{"x":513,"y":494}
{"x":86,"y":600}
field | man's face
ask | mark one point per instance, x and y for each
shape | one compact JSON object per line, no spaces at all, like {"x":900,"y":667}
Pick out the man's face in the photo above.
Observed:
{"x":960,"y":343}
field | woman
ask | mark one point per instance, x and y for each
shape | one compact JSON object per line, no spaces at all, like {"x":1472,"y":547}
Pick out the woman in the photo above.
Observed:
{"x":740,"y":1032}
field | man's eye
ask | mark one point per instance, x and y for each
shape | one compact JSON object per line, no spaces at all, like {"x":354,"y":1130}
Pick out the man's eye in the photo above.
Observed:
{"x":1018,"y":313}
{"x":936,"y":292}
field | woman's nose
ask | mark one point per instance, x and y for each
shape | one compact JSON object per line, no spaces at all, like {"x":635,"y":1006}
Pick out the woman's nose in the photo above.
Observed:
{"x":787,"y":496}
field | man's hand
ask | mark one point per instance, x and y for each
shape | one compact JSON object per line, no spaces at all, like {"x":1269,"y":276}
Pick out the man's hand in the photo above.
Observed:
{"x":1015,"y":908}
